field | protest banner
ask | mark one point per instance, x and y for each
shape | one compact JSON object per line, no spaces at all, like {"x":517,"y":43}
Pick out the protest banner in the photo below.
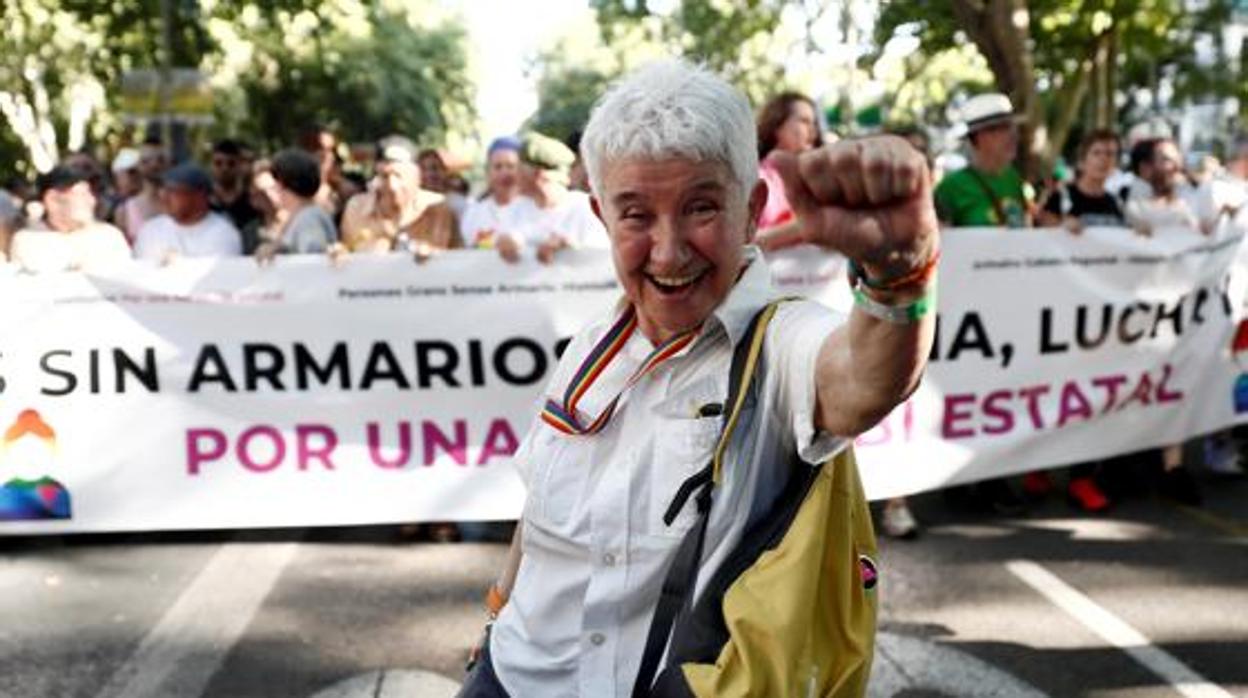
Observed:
{"x":221,"y":394}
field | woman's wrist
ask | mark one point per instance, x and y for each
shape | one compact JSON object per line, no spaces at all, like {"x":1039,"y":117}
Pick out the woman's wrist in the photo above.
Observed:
{"x":495,"y":600}
{"x":908,"y":280}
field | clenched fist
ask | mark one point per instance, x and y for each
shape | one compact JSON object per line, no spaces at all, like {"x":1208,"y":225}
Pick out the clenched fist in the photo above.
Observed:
{"x":869,"y":199}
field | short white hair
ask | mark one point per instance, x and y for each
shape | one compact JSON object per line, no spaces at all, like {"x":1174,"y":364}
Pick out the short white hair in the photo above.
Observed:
{"x":670,"y":109}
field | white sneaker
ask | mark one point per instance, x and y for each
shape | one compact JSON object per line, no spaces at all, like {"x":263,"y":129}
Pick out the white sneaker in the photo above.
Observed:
{"x":898,"y":522}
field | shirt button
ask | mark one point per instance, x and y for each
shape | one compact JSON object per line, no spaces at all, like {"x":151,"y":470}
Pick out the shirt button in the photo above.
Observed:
{"x":608,"y":559}
{"x":597,"y":638}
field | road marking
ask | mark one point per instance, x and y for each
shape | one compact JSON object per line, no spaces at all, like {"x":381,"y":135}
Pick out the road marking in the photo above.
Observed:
{"x":1115,"y":631}
{"x":1221,"y":523}
{"x":907,"y":665}
{"x":185,"y":648}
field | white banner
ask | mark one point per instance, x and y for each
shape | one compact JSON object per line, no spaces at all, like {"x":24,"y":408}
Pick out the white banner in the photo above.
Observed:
{"x":218,"y":394}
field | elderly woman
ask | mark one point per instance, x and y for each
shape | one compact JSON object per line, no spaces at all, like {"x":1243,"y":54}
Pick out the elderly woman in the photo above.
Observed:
{"x":670,"y":153}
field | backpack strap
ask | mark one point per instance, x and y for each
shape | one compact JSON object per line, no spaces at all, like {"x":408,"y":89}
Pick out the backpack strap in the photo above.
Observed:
{"x":682,"y":574}
{"x":744,"y":361}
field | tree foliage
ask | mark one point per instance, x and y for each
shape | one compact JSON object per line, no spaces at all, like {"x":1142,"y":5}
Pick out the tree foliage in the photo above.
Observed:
{"x":735,"y":39}
{"x":365,"y":69}
{"x":370,"y":67}
{"x":1070,"y":62}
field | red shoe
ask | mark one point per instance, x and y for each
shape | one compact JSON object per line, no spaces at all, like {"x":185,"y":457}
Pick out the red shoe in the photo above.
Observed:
{"x":1084,"y":494}
{"x":1037,"y":484}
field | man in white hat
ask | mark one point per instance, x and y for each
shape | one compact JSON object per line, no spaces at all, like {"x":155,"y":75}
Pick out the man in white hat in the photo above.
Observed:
{"x":989,"y":191}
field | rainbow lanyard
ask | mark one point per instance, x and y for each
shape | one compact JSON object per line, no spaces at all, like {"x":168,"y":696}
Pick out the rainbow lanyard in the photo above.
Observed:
{"x":563,"y":416}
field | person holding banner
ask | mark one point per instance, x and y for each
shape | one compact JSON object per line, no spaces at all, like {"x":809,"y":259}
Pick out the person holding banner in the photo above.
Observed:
{"x":988,"y":192}
{"x":397,"y":214}
{"x":68,"y":237}
{"x":502,"y":209}
{"x":1086,"y":202}
{"x":561,"y":218}
{"x":635,"y":405}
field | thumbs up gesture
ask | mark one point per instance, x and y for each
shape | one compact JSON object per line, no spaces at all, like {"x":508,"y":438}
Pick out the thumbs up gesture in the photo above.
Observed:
{"x":869,"y":199}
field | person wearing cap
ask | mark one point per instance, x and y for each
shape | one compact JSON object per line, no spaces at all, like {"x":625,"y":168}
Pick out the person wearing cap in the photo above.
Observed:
{"x":397,"y":214}
{"x":989,"y":191}
{"x":146,"y":204}
{"x":190,"y":228}
{"x":68,"y":237}
{"x":503,"y":209}
{"x":126,"y":180}
{"x":564,"y":218}
{"x":230,"y":175}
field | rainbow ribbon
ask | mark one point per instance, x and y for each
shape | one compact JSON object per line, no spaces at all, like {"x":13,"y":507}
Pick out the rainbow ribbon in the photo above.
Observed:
{"x":563,"y":416}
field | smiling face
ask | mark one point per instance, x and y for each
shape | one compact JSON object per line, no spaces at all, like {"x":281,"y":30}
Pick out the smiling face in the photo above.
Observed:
{"x":504,"y":166}
{"x":678,"y":228}
{"x":1165,"y":168}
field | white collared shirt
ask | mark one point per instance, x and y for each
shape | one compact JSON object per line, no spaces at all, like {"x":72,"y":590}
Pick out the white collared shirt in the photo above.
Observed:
{"x":595,"y":545}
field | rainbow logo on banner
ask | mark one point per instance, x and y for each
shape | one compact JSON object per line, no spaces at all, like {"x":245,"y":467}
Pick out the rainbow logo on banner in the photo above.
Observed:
{"x":38,"y":498}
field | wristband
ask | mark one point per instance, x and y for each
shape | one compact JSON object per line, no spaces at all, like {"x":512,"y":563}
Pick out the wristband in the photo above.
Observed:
{"x":917,"y":276}
{"x":896,"y":314}
{"x":494,"y":601}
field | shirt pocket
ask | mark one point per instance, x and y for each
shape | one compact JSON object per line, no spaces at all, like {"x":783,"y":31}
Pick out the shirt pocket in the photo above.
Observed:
{"x":558,"y":478}
{"x":683,"y":446}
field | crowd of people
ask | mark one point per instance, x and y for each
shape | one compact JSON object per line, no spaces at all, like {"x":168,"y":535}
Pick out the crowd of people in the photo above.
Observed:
{"x":1156,"y":192}
{"x":299,"y":200}
{"x":534,"y":202}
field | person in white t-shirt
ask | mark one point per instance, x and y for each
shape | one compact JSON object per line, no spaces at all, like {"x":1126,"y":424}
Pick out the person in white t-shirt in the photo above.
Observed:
{"x":503,"y":210}
{"x":190,"y":228}
{"x":1225,"y":194}
{"x":1171,"y":202}
{"x":564,"y":218}
{"x":68,"y":237}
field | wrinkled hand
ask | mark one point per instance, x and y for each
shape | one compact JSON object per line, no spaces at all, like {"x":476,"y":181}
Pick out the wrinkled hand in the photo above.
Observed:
{"x":266,"y":252}
{"x":869,"y":199}
{"x":337,"y":254}
{"x":507,"y":248}
{"x":546,"y":251}
{"x":422,"y":252}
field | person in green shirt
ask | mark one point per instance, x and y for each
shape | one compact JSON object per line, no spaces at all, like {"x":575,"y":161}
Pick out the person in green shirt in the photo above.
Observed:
{"x":990,"y":191}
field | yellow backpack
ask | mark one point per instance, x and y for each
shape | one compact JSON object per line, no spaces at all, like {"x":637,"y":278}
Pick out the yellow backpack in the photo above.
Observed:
{"x":792,"y":610}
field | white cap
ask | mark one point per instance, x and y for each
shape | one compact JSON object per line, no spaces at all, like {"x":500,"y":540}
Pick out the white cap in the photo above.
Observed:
{"x":126,"y":159}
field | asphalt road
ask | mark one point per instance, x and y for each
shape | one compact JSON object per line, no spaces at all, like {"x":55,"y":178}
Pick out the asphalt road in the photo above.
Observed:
{"x":1151,"y":600}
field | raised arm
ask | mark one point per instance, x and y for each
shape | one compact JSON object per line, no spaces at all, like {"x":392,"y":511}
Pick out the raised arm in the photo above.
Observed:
{"x":871,"y":200}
